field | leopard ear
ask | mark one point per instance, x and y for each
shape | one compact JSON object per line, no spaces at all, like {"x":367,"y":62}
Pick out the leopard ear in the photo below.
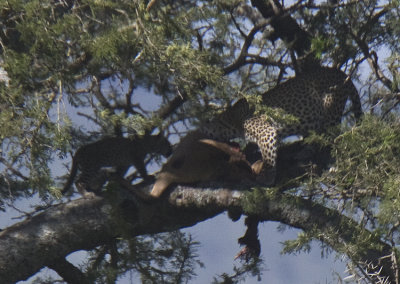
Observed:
{"x":241,"y":103}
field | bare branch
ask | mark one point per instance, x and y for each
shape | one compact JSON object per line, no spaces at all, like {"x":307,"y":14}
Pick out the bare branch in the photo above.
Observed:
{"x":96,"y":88}
{"x":172,"y":106}
{"x":241,"y":60}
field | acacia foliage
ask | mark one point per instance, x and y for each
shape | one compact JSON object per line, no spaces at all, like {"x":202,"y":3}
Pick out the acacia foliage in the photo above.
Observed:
{"x":79,"y":70}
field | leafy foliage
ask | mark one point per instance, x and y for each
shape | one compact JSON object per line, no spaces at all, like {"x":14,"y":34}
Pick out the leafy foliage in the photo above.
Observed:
{"x":80,"y":70}
{"x":240,"y":272}
{"x":163,"y":258}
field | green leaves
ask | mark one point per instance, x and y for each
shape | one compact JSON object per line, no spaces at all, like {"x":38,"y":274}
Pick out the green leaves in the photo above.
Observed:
{"x":367,"y":155}
{"x":162,"y":258}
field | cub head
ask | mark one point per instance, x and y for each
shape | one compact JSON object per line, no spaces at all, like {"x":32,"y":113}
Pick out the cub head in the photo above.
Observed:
{"x":159,"y":145}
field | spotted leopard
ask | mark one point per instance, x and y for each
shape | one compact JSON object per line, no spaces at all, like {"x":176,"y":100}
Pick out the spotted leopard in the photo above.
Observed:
{"x":316,"y":98}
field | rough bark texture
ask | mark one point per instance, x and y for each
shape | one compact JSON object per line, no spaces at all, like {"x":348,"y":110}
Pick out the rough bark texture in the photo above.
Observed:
{"x":30,"y":245}
{"x":83,"y":224}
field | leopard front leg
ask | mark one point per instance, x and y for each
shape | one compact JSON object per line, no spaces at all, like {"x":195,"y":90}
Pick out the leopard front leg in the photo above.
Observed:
{"x":264,"y":133}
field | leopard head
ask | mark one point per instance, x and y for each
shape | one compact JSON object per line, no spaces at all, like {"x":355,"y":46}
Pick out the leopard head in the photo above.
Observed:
{"x":228,"y":124}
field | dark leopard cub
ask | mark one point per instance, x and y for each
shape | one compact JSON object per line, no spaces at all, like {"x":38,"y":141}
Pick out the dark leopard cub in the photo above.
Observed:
{"x":117,"y":152}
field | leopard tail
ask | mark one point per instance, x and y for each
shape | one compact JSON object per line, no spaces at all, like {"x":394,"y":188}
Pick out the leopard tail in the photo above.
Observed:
{"x":355,"y":101}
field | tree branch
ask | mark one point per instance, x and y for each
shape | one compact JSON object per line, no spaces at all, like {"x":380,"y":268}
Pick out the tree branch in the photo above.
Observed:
{"x":242,"y":58}
{"x":372,"y":59}
{"x":308,"y":216}
{"x":86,"y":223}
{"x":172,"y":106}
{"x":68,"y":272}
{"x":285,"y":27}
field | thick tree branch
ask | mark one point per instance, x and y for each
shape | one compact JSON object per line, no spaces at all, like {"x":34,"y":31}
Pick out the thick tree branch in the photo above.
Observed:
{"x":312,"y":217}
{"x":308,"y":216}
{"x":41,"y":240}
{"x":285,"y":27}
{"x":86,"y":223}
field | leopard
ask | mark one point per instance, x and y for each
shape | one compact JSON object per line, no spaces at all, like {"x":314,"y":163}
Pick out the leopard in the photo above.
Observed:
{"x":116,"y":152}
{"x":316,"y":99}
